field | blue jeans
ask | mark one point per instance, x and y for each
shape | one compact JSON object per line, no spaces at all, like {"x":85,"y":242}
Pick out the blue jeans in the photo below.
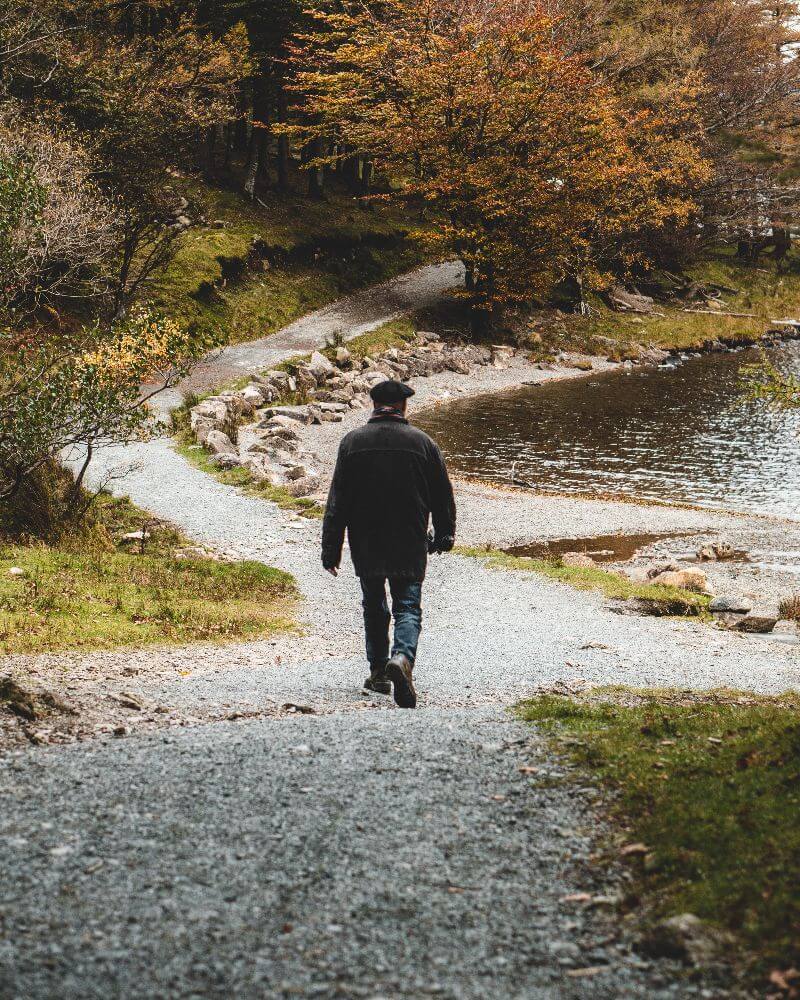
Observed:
{"x":407,"y":613}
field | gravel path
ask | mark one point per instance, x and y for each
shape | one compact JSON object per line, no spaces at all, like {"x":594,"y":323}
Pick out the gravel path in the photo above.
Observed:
{"x":362,"y":851}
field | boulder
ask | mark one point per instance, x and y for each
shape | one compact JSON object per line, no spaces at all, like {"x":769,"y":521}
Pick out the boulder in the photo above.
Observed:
{"x":282,"y":381}
{"x":457,"y":364}
{"x":755,"y":624}
{"x":306,"y":380}
{"x":201,"y":429}
{"x":218,"y":442}
{"x":279,"y":430}
{"x":343,"y":356}
{"x":730,"y":605}
{"x":302,"y":487}
{"x":300,"y":414}
{"x":687,"y":938}
{"x":685,"y":579}
{"x":577,"y":559}
{"x":320,"y":367}
{"x":335,"y":406}
{"x":255,"y":395}
{"x":501,"y":355}
{"x":580,"y":361}
{"x":653,"y":356}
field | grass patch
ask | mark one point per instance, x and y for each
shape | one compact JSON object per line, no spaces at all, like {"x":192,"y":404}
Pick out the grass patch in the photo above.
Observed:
{"x":761,"y":290}
{"x":93,"y":592}
{"x":711,"y":784}
{"x":398,"y":333}
{"x":243,"y":478}
{"x":611,"y":585}
{"x":321,"y":250}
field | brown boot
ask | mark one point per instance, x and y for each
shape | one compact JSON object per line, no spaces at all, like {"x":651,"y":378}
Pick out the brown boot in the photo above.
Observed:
{"x":399,"y":671}
{"x":378,"y":682}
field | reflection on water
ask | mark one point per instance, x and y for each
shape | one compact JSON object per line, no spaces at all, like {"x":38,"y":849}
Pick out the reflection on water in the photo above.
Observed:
{"x":680,"y":433}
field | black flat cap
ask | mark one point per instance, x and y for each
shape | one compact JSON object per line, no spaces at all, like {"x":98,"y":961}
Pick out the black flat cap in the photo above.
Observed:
{"x":390,"y":393}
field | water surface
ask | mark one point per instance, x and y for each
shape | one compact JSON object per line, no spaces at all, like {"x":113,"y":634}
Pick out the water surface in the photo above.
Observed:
{"x":676,"y":433}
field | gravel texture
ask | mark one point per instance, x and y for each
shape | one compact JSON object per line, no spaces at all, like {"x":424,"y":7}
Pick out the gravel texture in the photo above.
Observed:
{"x":391,"y":855}
{"x":362,"y":850}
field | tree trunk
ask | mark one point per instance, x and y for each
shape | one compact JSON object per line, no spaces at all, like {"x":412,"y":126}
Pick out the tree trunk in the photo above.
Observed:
{"x":366,"y":176}
{"x":282,"y":164}
{"x":316,"y":176}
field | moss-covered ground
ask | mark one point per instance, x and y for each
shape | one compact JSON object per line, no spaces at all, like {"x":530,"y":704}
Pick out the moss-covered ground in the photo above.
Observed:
{"x":308,"y":253}
{"x":710,"y":784}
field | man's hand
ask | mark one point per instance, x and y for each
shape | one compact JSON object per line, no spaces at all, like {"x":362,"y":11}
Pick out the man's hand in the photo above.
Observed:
{"x":333,"y":570}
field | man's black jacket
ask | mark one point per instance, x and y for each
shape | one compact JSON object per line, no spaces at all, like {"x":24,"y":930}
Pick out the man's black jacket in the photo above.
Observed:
{"x":390,"y":478}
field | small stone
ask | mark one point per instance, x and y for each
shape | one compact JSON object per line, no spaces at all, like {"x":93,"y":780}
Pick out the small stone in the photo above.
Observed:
{"x":16,"y":571}
{"x":732,"y":605}
{"x":755,"y":624}
{"x":343,"y":356}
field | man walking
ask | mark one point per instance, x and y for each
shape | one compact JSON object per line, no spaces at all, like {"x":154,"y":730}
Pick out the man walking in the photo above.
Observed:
{"x":390,"y":479}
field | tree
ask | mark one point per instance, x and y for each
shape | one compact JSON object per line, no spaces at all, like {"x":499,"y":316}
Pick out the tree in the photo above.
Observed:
{"x":75,"y":393}
{"x":58,"y":233}
{"x":535,"y":169}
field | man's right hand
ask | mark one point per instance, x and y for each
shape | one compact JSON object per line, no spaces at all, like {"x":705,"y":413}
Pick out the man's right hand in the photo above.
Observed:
{"x":333,"y":570}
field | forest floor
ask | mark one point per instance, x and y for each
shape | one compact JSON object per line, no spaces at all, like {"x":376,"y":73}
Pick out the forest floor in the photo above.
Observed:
{"x":347,"y":848}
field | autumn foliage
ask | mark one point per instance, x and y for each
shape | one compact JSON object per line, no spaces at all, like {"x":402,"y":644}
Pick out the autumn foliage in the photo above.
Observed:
{"x":537,"y":167}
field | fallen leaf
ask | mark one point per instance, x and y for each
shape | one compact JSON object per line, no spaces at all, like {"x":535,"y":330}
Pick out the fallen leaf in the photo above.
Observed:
{"x":592,"y":970}
{"x":528,"y":770}
{"x":713,"y":739}
{"x":577,"y":897}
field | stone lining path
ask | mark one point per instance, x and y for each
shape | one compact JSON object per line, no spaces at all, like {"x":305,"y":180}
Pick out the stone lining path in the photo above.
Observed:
{"x":366,"y":851}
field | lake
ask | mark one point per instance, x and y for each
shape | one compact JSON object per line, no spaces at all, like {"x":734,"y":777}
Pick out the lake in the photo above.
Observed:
{"x":681,"y":433}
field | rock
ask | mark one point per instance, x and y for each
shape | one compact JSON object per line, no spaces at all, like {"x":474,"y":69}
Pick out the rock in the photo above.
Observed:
{"x":320,"y":367}
{"x":279,"y":421}
{"x":287,"y":434}
{"x":300,"y":414}
{"x":687,"y":938}
{"x":670,"y":567}
{"x":577,"y":559}
{"x":731,"y":605}
{"x":282,"y":381}
{"x":716,"y":550}
{"x":302,"y":487}
{"x":580,"y":361}
{"x":134,"y":537}
{"x":653,"y":356}
{"x":501,"y":355}
{"x":306,"y":380}
{"x":755,"y":624}
{"x":16,"y":571}
{"x":219,"y":442}
{"x":201,"y":429}
{"x":685,"y":579}
{"x":457,"y":364}
{"x":225,"y":460}
{"x":343,"y":356}
{"x":335,"y":406}
{"x":255,"y":395}
{"x":625,"y":301}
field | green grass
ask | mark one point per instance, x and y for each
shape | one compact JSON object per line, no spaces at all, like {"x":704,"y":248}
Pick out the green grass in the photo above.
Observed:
{"x":760,"y":290}
{"x":711,"y":784}
{"x":374,"y":246}
{"x":92,"y":592}
{"x":201,"y":459}
{"x":398,"y":332}
{"x":611,"y":585}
